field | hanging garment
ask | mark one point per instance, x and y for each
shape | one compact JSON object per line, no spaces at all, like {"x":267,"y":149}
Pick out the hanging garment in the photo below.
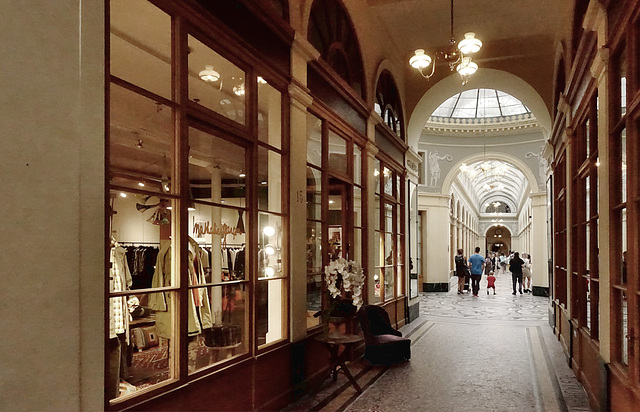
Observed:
{"x":119,"y":281}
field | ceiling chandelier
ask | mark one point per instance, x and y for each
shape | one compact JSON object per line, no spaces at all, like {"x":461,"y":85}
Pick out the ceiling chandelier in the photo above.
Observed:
{"x":457,"y":57}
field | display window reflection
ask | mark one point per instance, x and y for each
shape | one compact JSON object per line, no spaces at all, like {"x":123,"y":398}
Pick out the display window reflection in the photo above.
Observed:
{"x":269,"y":180}
{"x":269,"y":114}
{"x":140,"y":354}
{"x":223,"y":313}
{"x":140,"y":142}
{"x":270,"y":312}
{"x":217,"y":170}
{"x":215,"y":83}
{"x":217,"y":244}
{"x":140,"y":48}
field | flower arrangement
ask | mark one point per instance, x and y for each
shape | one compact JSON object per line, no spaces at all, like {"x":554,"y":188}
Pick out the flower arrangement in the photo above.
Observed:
{"x":344,"y":277}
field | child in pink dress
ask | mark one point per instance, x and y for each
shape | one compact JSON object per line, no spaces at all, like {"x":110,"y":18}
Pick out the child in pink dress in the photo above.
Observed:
{"x":491,"y":283}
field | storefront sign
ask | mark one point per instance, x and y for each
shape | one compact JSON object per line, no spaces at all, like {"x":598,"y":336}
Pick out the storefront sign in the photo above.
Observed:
{"x":207,"y":228}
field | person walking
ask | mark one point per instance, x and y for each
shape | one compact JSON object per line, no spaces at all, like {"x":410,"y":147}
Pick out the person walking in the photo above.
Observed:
{"x":461,"y":270}
{"x":491,"y":282}
{"x":526,"y":272}
{"x":516,"y":272}
{"x":477,"y":266}
{"x":488,"y":264}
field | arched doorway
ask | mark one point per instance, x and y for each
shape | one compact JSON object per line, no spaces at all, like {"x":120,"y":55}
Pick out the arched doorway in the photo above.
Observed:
{"x":498,"y":240}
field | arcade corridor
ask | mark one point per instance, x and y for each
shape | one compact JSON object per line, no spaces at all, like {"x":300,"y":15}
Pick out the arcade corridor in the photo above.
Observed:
{"x":492,"y":353}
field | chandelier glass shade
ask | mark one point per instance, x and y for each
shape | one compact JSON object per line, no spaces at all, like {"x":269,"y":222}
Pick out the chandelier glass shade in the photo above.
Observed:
{"x":461,"y":60}
{"x":470,"y":44}
{"x":209,"y":75}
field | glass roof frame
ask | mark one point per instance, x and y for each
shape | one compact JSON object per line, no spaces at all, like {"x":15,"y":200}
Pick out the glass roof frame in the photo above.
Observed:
{"x":479,"y":104}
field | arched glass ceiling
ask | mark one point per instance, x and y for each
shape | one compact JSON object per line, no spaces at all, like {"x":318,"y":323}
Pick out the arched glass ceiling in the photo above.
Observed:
{"x":481,"y":103}
{"x":493,"y":181}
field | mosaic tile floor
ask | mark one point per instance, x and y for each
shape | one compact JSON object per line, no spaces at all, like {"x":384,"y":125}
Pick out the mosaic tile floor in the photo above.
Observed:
{"x":486,"y":353}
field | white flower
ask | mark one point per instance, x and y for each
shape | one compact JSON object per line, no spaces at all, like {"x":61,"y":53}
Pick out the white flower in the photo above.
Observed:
{"x":350,"y":274}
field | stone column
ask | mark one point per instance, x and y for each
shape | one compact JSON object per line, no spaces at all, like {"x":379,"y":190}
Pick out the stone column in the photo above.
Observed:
{"x":538,"y":248}
{"x":301,"y":53}
{"x":437,"y":222}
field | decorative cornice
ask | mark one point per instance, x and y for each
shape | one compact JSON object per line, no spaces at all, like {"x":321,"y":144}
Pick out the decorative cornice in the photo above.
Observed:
{"x":371,"y":149}
{"x":300,"y":96}
{"x":305,"y":49}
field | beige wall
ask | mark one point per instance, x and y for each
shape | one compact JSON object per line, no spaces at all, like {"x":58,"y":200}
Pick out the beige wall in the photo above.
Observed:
{"x":51,"y":230}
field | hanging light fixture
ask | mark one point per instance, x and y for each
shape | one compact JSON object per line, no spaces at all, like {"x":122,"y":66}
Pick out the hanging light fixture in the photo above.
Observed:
{"x":458,"y":58}
{"x":209,"y":75}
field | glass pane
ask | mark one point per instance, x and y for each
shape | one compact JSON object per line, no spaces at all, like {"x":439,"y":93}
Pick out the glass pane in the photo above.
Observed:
{"x":376,"y":174}
{"x":587,"y":136}
{"x":400,"y":280}
{"x":377,"y":212}
{"x":223,"y":313}
{"x":357,"y":165}
{"x":141,"y":229}
{"x":140,"y":45}
{"x":314,"y":272}
{"x":269,"y":114}
{"x":357,"y":245}
{"x":219,"y":234}
{"x":377,"y":279}
{"x":217,"y":169}
{"x":623,"y":137}
{"x":146,"y":361}
{"x":337,"y":153}
{"x":357,"y":207}
{"x":588,"y":300}
{"x":389,"y":254}
{"x":270,"y":311}
{"x":587,"y":198}
{"x":140,"y":142}
{"x":314,"y":140}
{"x":379,"y":252}
{"x":398,"y":187}
{"x":314,"y":194}
{"x":388,"y":283}
{"x":388,"y":181}
{"x":388,"y":214}
{"x":269,"y":245}
{"x":269,"y":180}
{"x":215,"y":82}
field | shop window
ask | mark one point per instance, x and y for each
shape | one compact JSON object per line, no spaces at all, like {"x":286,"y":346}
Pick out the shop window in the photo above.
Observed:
{"x":141,"y":142}
{"x":335,"y":213}
{"x":140,"y":351}
{"x":389,"y":276}
{"x":269,"y":114}
{"x":140,"y":45}
{"x":215,"y":83}
{"x":185,"y":221}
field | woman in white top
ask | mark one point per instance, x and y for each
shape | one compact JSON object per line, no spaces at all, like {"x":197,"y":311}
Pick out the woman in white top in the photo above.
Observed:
{"x":526,"y":272}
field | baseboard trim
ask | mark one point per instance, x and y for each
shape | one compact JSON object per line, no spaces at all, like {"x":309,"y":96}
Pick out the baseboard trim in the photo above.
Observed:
{"x":435,"y":287}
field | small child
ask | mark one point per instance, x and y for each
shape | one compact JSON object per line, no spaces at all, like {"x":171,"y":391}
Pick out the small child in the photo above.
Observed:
{"x":491,"y":282}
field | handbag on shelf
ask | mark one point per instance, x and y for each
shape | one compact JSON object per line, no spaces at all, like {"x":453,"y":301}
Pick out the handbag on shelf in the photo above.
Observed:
{"x":224,"y":335}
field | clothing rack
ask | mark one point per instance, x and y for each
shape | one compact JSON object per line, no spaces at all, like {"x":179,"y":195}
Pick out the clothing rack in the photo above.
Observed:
{"x":139,"y":243}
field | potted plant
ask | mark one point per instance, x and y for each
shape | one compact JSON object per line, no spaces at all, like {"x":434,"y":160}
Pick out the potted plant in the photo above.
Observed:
{"x":344,"y":280}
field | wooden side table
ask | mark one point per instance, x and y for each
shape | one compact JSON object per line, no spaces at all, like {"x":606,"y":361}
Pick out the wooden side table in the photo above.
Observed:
{"x":333,"y":343}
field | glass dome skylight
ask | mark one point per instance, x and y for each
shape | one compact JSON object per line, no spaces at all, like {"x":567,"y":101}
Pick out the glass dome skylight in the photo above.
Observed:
{"x":481,"y":103}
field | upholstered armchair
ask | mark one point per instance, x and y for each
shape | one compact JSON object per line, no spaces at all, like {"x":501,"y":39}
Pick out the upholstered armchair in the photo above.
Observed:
{"x":383,"y":344}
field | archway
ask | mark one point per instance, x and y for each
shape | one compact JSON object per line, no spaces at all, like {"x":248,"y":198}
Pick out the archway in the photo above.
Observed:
{"x":485,"y":78}
{"x":498,"y":240}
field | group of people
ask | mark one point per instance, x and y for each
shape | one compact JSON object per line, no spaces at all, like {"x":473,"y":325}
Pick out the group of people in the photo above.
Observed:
{"x":473,"y":268}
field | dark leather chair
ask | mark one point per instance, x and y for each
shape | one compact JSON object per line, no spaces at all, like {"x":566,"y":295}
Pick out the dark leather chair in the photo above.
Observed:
{"x":383,"y":344}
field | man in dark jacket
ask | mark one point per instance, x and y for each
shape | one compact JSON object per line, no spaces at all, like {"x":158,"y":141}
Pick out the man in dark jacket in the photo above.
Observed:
{"x":516,"y":272}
